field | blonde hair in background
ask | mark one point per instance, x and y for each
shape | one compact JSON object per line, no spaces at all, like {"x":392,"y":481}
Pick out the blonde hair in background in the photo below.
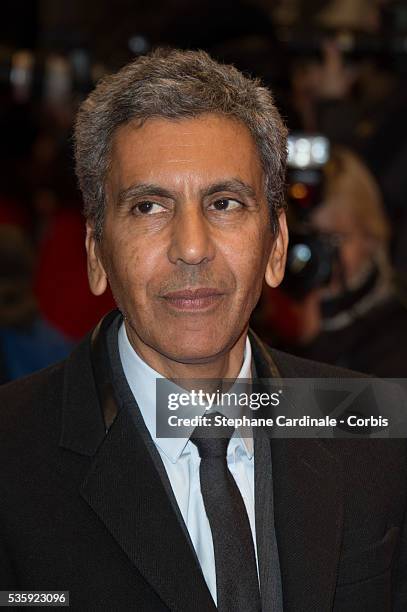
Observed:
{"x":347,"y":176}
{"x":350,"y":185}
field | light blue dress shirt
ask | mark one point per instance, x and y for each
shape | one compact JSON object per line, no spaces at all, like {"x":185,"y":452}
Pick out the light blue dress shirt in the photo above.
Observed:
{"x":181,"y":459}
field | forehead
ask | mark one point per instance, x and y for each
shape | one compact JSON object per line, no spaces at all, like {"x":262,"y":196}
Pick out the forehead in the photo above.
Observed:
{"x":201,"y":149}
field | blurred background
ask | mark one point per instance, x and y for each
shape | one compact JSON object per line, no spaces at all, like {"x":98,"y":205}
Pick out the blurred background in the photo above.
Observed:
{"x":338,"y":72}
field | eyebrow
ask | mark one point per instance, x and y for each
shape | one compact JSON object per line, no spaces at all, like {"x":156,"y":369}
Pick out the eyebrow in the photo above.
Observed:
{"x":138,"y":190}
{"x":236,"y":185}
{"x":143,"y":189}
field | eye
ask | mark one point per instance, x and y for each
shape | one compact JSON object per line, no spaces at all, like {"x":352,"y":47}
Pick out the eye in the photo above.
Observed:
{"x":147,"y":208}
{"x":226,"y":204}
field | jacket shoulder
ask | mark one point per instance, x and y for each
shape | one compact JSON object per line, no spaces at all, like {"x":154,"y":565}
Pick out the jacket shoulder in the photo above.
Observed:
{"x":268,"y":360}
{"x":292,"y":366}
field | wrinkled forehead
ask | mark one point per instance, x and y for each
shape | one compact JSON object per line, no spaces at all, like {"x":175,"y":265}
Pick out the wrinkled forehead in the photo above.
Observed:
{"x":186,"y":151}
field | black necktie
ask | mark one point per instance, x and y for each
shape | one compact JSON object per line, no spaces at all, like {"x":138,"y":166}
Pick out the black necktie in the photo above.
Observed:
{"x":237,"y":585}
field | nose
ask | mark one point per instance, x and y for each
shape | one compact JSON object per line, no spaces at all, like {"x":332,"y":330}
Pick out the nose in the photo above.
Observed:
{"x":191,"y":240}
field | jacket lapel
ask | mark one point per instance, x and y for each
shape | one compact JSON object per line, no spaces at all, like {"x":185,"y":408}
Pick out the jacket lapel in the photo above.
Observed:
{"x":125,"y":490}
{"x":308,"y":508}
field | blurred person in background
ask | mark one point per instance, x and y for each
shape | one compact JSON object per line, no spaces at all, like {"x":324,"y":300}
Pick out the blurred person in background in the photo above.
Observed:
{"x":360,"y":319}
{"x":354,"y":91}
{"x":38,"y":192}
{"x":27,"y":341}
{"x":60,"y":280}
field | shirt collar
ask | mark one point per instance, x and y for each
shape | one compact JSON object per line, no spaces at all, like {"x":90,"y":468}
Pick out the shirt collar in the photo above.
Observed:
{"x":142,"y":382}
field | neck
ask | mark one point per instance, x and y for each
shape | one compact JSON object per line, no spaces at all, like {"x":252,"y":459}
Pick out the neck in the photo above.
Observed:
{"x":225,"y":365}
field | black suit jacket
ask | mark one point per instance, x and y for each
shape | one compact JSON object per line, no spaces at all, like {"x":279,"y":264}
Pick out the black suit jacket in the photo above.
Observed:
{"x":86,"y":511}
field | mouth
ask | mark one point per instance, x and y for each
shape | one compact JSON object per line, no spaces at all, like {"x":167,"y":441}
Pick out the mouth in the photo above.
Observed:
{"x":193,"y":299}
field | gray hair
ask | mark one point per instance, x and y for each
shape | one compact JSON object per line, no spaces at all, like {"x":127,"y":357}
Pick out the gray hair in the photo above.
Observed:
{"x":175,"y":84}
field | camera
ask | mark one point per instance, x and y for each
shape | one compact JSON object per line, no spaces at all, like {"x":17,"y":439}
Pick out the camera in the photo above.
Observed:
{"x":311,"y":255}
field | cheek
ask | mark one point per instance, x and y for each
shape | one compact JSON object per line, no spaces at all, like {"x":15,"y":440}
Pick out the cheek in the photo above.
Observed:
{"x":248,"y":261}
{"x":127,"y":272}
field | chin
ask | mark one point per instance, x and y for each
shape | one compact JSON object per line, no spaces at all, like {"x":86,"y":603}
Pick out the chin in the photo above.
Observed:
{"x":192,"y":350}
{"x":199,"y":354}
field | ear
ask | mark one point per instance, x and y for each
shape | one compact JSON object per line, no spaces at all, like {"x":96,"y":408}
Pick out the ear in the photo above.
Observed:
{"x":276,"y":263}
{"x":96,"y":273}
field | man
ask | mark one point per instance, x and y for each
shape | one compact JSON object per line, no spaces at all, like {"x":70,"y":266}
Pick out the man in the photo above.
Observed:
{"x":181,"y":164}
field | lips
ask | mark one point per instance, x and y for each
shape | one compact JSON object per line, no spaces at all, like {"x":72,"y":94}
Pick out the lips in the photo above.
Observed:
{"x":193,"y":299}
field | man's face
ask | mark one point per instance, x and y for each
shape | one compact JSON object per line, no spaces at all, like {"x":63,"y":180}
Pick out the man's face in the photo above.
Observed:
{"x":187,"y":238}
